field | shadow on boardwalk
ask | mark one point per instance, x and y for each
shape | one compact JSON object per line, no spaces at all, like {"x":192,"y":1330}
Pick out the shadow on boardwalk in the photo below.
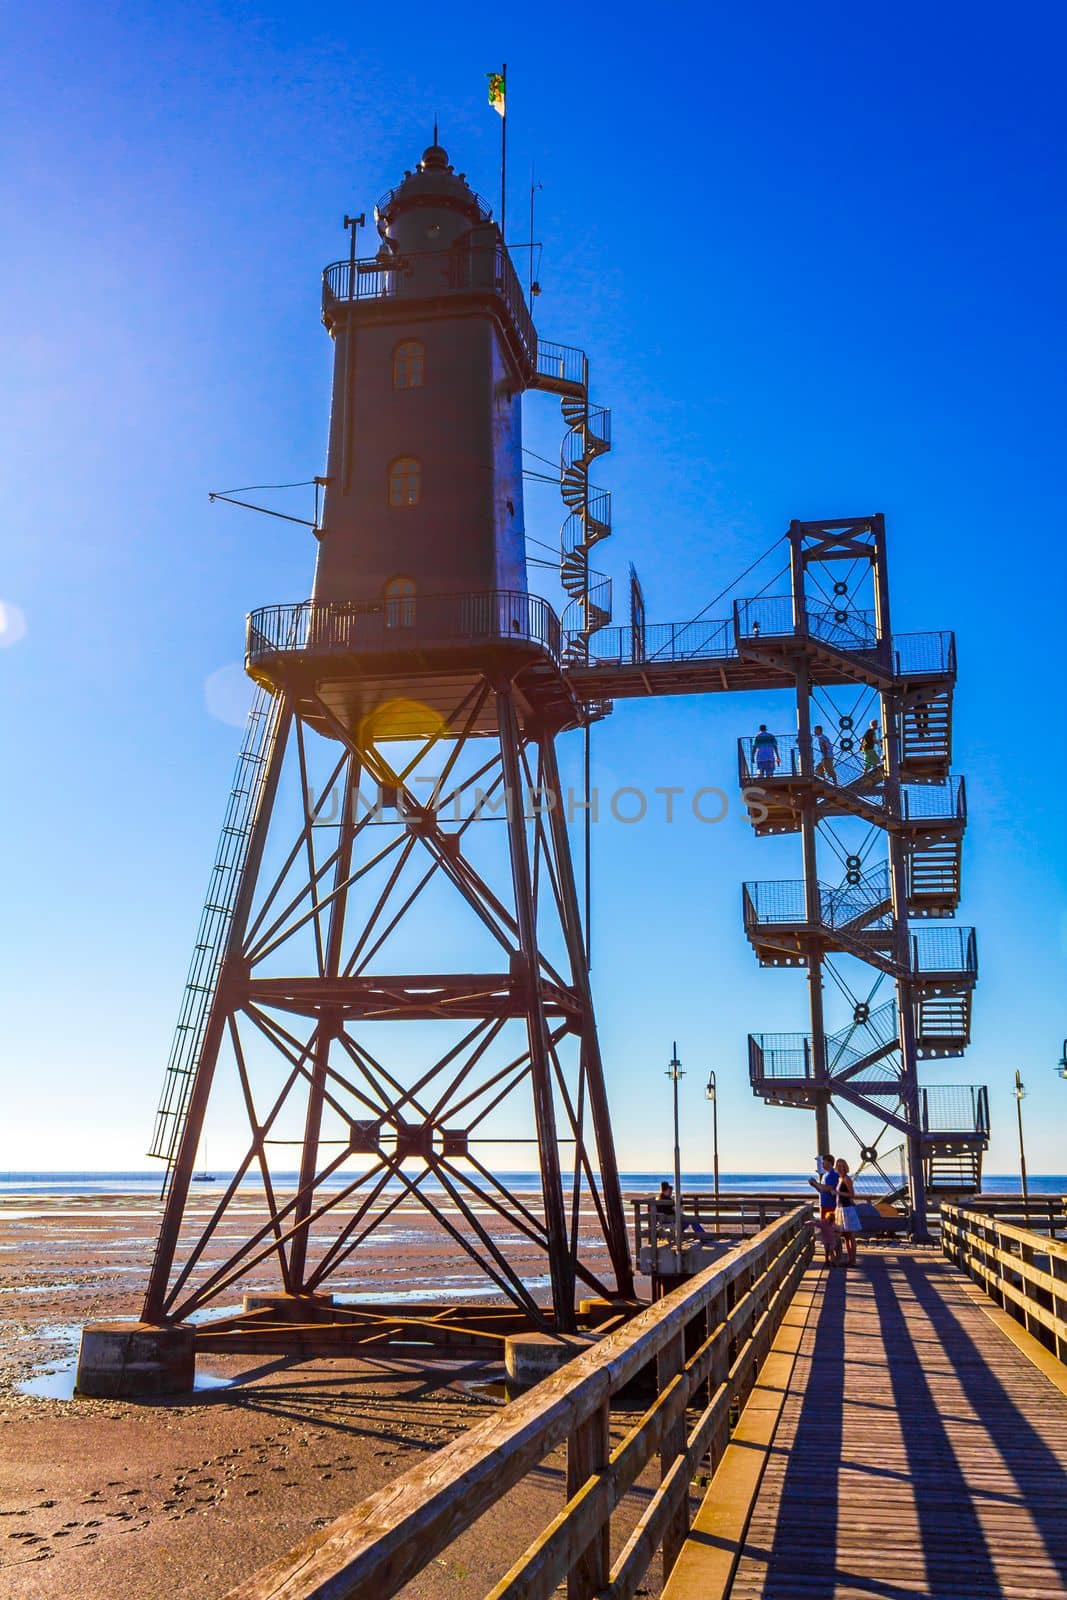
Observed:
{"x":919,"y":1454}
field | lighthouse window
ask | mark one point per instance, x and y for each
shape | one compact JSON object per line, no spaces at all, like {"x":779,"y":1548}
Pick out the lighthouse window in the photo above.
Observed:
{"x":400,"y":603}
{"x":405,"y":481}
{"x":408,"y":361}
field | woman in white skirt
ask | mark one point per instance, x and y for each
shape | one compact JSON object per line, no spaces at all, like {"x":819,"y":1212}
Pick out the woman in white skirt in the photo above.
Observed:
{"x":846,"y":1217}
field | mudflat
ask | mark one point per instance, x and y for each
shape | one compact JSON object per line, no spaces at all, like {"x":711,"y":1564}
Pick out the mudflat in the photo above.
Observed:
{"x":181,"y":1499}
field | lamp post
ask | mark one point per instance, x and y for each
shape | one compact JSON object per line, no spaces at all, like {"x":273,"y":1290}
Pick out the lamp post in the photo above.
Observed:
{"x":1061,"y":1065}
{"x":712,"y":1095}
{"x":675,"y":1074}
{"x":1020,"y":1094}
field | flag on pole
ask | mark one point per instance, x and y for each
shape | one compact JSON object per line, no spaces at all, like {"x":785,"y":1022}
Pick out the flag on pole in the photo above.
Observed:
{"x":497,"y":90}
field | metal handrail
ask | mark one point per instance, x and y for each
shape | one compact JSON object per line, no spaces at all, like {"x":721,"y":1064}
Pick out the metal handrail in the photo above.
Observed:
{"x":422,"y":621}
{"x":943,"y":801}
{"x":923,"y":654}
{"x":785,"y":901}
{"x":790,"y":1055}
{"x":563,"y":362}
{"x":467,"y":269}
{"x":710,"y":640}
{"x":384,"y":203}
{"x":853,"y":632}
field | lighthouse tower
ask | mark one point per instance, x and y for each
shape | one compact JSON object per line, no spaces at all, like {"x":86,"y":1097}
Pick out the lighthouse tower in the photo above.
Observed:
{"x":390,"y":980}
{"x":424,"y":490}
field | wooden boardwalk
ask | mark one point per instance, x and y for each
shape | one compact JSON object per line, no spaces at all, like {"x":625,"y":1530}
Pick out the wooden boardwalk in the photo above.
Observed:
{"x":918,"y":1452}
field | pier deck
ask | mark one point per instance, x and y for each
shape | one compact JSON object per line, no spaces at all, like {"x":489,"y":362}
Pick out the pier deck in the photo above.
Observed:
{"x":916,"y":1450}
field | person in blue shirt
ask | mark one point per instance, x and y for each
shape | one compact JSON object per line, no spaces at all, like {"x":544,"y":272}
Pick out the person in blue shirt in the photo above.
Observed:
{"x":826,"y":1183}
{"x":765,"y":752}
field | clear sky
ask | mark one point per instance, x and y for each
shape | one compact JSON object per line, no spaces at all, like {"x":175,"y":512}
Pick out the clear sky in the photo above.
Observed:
{"x":816,"y":255}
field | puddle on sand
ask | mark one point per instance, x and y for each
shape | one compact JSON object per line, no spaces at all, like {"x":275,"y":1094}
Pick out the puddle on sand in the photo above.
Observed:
{"x":58,"y":1382}
{"x":40,"y":1288}
{"x":491,"y":1389}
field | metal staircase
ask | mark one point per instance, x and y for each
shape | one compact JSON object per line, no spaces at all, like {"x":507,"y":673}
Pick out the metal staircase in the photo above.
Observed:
{"x":563,"y":370}
{"x":821,"y":784}
{"x":202,"y":982}
{"x":926,"y":735}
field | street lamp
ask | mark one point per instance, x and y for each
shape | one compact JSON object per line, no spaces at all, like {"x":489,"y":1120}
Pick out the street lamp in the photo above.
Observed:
{"x":1020,"y":1095}
{"x":675,"y":1074}
{"x":1061,"y":1065}
{"x":711,"y":1094}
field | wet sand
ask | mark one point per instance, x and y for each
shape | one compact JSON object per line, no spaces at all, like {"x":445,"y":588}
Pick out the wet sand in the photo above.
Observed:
{"x":101,"y":1498}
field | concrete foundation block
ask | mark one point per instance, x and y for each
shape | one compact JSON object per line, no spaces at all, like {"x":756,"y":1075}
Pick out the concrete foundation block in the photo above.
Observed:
{"x":596,"y":1310}
{"x":288,"y":1307}
{"x":135,"y":1360}
{"x":529,"y":1357}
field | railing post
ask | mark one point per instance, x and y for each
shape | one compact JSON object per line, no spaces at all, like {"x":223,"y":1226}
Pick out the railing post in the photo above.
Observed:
{"x":720,"y":1371}
{"x":669,"y":1363}
{"x":588,"y":1452}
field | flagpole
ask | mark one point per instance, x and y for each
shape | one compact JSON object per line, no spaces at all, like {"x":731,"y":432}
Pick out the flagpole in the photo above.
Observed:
{"x":504,"y":156}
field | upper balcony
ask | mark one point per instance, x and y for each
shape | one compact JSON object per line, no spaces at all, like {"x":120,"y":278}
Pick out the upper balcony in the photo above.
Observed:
{"x":469,"y":271}
{"x":769,"y":628}
{"x":417,"y":651}
{"x":409,"y":626}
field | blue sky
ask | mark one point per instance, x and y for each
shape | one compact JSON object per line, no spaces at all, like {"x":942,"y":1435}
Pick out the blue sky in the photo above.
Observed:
{"x":816,"y":257}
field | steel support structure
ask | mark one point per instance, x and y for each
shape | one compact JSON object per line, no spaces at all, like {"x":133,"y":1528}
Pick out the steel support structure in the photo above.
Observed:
{"x":305,"y":978}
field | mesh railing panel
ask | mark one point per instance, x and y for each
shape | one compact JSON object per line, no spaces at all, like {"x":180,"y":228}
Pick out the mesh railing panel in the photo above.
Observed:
{"x":920,"y":653}
{"x":933,"y":801}
{"x":712,"y":640}
{"x":852,"y":631}
{"x":944,"y":949}
{"x":954,"y":1108}
{"x":779,"y":1055}
{"x":785,"y":901}
{"x":768,"y":615}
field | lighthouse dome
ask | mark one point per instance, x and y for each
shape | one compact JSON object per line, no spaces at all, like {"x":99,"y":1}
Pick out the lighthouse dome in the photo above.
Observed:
{"x":431,"y":208}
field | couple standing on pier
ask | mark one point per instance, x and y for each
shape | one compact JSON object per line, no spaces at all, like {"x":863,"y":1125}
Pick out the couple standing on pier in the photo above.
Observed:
{"x":837,"y":1211}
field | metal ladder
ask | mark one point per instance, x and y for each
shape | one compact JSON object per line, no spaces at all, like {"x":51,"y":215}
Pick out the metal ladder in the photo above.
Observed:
{"x":215,"y":919}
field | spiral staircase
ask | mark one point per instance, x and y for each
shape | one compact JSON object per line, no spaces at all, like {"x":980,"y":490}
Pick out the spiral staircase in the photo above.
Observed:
{"x":563,"y":370}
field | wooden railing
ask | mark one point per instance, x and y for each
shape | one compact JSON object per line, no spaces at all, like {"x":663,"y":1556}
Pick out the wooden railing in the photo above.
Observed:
{"x":1042,"y":1213}
{"x":705,"y":1342}
{"x":1023,"y":1271}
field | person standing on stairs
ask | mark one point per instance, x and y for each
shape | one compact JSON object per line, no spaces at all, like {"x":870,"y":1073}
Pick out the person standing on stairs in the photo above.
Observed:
{"x":872,"y":756}
{"x":825,"y":766}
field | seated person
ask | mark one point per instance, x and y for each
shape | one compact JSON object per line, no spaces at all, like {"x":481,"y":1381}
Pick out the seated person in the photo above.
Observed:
{"x":663,"y":1207}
